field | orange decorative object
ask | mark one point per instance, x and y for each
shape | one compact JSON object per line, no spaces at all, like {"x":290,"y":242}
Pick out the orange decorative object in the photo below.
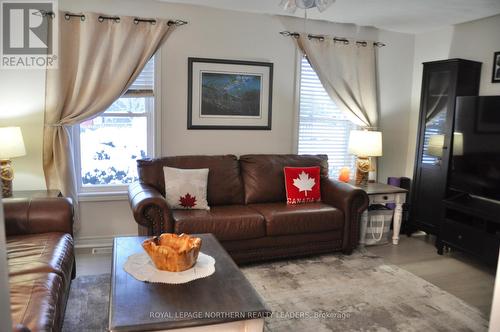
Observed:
{"x":172,"y":252}
{"x":345,"y":174}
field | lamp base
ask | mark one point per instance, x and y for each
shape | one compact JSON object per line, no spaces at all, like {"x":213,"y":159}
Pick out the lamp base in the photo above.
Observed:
{"x":362,"y":169}
{"x":6,"y":175}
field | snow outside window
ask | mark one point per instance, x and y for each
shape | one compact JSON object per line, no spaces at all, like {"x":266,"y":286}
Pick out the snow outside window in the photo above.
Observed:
{"x":323,"y":127}
{"x":108,"y":146}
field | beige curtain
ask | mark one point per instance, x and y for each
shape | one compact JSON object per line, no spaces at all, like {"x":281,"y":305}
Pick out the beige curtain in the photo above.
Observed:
{"x":98,"y":61}
{"x":348,"y":74}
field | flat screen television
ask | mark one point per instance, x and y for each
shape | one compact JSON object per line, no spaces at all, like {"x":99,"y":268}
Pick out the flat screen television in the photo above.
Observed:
{"x":475,"y":161}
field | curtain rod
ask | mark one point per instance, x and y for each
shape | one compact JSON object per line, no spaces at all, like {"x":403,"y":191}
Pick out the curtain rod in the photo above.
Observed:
{"x":335,"y":39}
{"x":116,"y":19}
{"x":102,"y":18}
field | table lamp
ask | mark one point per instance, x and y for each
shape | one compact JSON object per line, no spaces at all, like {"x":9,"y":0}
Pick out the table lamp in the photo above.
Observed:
{"x":11,"y":146}
{"x":364,"y":144}
{"x":436,"y":145}
{"x":458,"y":144}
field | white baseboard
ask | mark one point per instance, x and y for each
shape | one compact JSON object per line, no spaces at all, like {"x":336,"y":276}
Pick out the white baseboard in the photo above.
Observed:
{"x":97,"y":241}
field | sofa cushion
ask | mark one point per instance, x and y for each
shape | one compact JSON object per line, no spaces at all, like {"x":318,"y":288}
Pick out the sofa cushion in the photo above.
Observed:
{"x":36,"y":300}
{"x":186,"y":188}
{"x":46,"y":252}
{"x":229,"y":222}
{"x":224,"y":181}
{"x":302,"y":185}
{"x":283,"y":219}
{"x":263,"y":176}
{"x":38,"y":215}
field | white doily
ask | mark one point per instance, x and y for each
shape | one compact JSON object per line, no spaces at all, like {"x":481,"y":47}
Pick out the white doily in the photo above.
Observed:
{"x":142,"y":268}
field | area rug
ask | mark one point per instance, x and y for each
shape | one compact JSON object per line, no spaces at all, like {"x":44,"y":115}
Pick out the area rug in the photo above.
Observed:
{"x":87,"y":308}
{"x":323,"y":293}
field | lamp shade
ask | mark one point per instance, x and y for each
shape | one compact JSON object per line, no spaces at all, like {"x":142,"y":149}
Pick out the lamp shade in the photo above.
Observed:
{"x":363,"y":143}
{"x":458,"y":144}
{"x":435,"y":145}
{"x":11,"y":143}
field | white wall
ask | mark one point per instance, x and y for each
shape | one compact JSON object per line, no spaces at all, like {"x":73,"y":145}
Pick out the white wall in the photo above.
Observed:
{"x":101,"y":220}
{"x":217,"y":34}
{"x":22,"y":94}
{"x":476,"y":40}
{"x":395,"y":65}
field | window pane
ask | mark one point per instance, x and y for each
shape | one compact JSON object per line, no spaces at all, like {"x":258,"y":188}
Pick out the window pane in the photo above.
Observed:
{"x":109,"y":147}
{"x":323,"y":128}
{"x":129,"y":105}
{"x":145,"y":80}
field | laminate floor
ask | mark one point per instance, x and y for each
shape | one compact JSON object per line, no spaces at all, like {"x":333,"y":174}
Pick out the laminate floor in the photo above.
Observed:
{"x":453,"y":272}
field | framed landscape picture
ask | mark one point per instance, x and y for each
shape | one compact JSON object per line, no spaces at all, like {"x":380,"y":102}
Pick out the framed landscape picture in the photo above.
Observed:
{"x":229,"y":94}
{"x":496,"y":68}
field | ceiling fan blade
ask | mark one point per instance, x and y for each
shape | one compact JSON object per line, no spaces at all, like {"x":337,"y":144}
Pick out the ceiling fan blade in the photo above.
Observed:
{"x":288,"y":5}
{"x":322,"y":5}
{"x":305,"y":4}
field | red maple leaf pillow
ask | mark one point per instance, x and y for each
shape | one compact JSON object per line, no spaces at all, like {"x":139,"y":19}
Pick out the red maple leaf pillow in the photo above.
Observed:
{"x":302,"y":184}
{"x":186,"y":188}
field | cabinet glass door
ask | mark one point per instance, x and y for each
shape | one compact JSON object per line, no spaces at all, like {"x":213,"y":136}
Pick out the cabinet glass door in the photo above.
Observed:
{"x":435,"y":117}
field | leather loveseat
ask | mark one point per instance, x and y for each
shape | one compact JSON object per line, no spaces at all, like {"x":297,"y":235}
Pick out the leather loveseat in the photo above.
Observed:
{"x":41,"y":261}
{"x":248,"y":211}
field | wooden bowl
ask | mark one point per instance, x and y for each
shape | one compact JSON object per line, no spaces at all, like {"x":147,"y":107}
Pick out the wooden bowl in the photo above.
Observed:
{"x":172,"y":252}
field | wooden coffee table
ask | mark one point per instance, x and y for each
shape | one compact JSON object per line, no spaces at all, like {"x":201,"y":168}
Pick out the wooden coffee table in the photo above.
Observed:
{"x":224,"y":301}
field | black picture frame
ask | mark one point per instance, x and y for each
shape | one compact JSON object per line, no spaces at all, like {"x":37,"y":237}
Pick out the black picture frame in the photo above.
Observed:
{"x":495,"y":75}
{"x":262,"y":70}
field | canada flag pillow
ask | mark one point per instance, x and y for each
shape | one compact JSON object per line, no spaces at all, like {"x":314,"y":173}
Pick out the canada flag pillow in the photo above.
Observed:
{"x":186,"y":188}
{"x":302,"y":184}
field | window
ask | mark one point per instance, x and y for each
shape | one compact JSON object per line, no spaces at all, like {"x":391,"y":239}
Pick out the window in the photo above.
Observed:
{"x":323,"y":127}
{"x":109,"y":145}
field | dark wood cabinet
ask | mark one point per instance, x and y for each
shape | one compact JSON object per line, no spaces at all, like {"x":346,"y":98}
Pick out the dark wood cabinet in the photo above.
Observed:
{"x":442,"y":82}
{"x":471,"y":225}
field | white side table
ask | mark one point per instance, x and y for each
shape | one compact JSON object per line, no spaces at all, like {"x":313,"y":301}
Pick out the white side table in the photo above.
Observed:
{"x":380,"y":193}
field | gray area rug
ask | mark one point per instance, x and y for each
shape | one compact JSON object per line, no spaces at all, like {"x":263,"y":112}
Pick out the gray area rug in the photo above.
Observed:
{"x":87,"y":308}
{"x":324,"y":293}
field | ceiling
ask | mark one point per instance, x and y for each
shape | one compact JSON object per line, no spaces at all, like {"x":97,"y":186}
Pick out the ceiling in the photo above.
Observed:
{"x":409,"y":16}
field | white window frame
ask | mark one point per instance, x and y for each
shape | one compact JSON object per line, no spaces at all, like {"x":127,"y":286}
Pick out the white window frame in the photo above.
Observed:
{"x":153,"y":120}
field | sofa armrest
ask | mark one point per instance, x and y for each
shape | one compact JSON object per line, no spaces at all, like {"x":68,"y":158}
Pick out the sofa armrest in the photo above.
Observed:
{"x":352,"y":201}
{"x":38,"y":215}
{"x":150,"y":208}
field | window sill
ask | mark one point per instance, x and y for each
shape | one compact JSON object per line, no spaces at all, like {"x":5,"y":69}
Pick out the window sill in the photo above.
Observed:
{"x":102,"y":196}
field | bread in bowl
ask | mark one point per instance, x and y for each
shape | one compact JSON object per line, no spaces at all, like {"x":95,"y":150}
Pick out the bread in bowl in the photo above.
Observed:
{"x":172,"y":252}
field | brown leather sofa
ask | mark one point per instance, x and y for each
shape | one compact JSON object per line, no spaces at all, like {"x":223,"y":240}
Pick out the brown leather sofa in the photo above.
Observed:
{"x":41,"y":261}
{"x":248,"y":211}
